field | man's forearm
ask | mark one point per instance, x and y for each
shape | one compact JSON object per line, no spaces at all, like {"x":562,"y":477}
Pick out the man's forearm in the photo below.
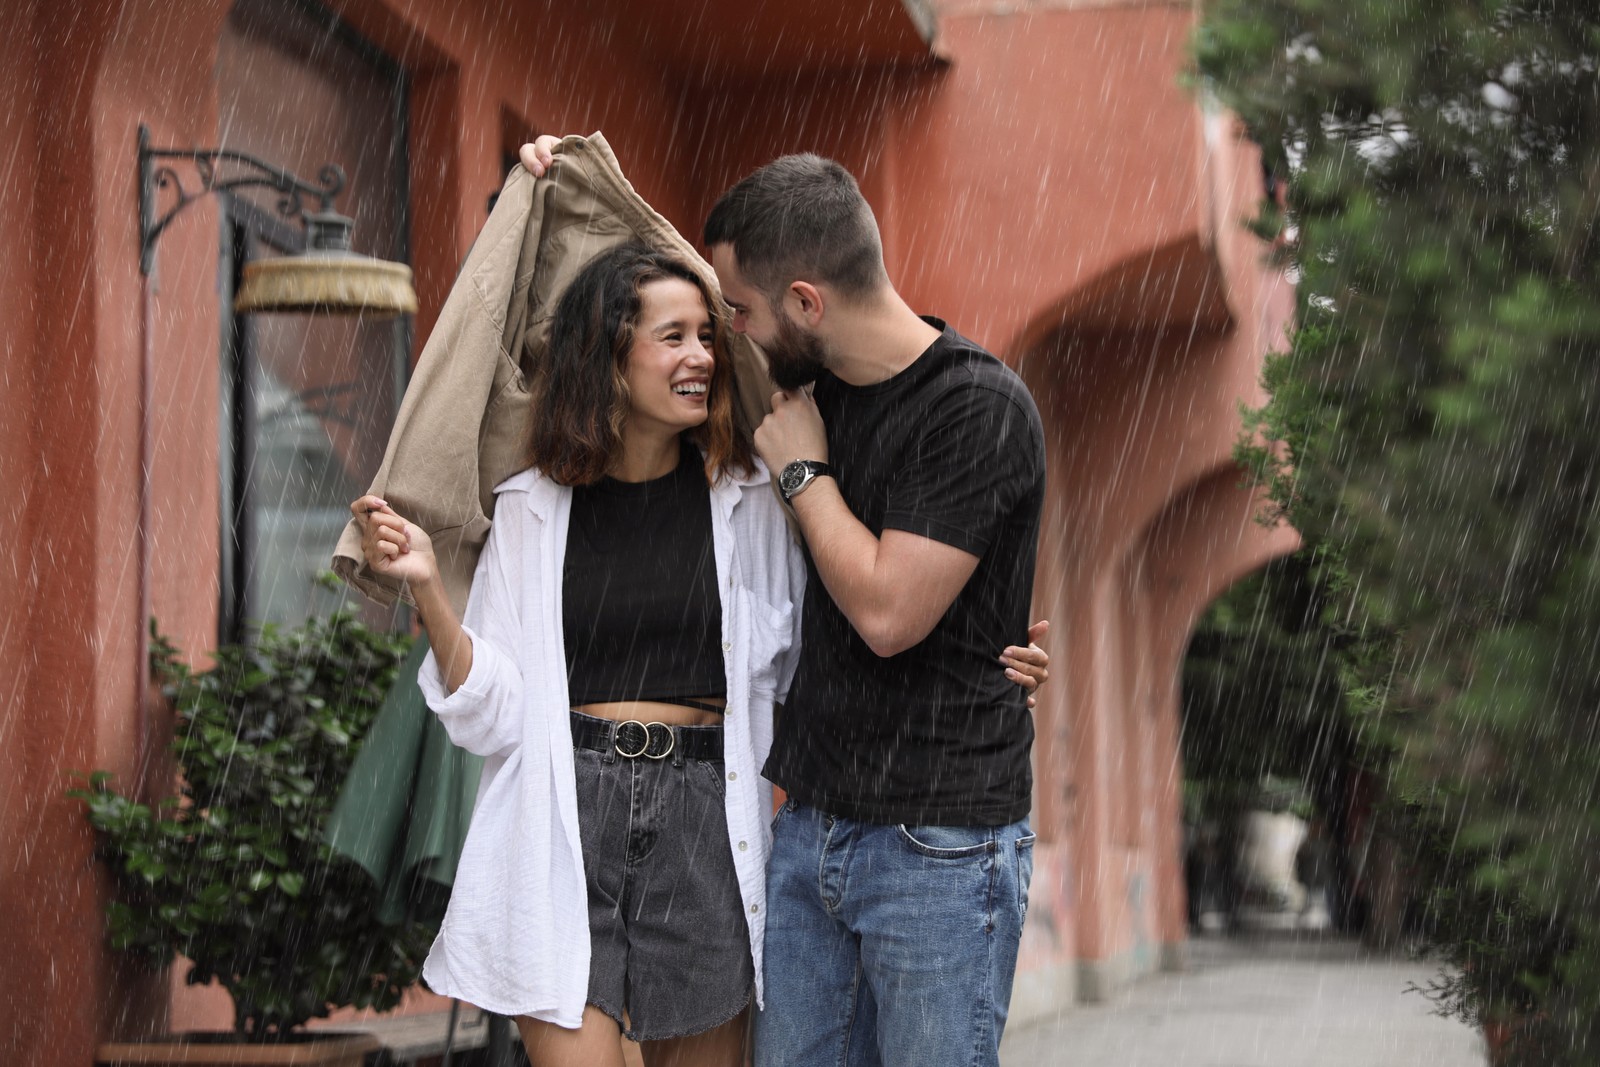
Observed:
{"x":894,"y":589}
{"x":846,"y":555}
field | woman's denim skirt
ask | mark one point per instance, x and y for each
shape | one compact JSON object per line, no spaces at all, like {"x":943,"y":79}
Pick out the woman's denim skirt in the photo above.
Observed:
{"x":669,"y":948}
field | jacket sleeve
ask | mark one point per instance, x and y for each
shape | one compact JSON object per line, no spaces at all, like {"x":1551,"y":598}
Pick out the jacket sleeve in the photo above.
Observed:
{"x":485,"y":715}
{"x":460,"y":426}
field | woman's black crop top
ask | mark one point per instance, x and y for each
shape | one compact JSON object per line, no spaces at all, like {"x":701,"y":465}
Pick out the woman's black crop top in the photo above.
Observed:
{"x":640,"y":613}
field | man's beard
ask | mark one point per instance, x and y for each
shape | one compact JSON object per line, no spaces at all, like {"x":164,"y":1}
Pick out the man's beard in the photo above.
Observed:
{"x":795,"y":358}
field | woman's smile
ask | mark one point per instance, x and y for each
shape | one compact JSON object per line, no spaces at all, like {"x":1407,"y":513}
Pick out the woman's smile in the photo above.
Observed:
{"x":669,"y":366}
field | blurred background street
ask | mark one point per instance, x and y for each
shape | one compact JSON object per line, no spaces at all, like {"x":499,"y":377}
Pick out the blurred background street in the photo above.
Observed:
{"x":1255,"y":1001}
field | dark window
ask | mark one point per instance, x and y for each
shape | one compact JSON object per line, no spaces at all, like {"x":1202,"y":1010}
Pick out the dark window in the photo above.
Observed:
{"x":307,"y":401}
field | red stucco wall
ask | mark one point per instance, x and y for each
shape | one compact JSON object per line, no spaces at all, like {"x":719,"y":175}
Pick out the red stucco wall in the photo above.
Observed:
{"x":1047,"y":186}
{"x":75,"y":319}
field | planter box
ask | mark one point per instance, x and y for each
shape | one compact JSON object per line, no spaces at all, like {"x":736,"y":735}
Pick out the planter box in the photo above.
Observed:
{"x":224,"y":1050}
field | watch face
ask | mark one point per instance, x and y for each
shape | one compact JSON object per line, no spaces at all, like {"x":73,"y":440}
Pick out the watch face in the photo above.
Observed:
{"x":792,"y":477}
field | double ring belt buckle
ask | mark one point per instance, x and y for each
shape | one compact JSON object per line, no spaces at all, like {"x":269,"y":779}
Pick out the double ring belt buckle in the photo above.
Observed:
{"x":643,"y":734}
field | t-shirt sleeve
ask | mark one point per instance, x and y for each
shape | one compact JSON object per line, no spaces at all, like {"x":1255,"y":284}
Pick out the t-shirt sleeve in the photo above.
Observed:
{"x":978,"y":455}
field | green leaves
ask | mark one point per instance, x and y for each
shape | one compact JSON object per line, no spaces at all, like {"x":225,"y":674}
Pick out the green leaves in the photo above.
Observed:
{"x":1433,"y":424}
{"x":233,"y":872}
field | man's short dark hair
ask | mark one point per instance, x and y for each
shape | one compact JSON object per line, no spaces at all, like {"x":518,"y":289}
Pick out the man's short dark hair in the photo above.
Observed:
{"x":800,"y":218}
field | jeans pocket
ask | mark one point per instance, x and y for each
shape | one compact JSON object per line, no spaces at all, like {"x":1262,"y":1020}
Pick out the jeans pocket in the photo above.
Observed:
{"x":719,"y":785}
{"x":948,"y":842}
{"x":1024,"y":870}
{"x":772,"y":824}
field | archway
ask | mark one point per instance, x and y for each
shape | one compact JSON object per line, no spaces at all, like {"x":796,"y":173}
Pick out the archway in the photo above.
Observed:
{"x":1138,"y":374}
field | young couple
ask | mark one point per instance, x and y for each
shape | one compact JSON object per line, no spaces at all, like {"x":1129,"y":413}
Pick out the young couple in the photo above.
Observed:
{"x":639,"y":607}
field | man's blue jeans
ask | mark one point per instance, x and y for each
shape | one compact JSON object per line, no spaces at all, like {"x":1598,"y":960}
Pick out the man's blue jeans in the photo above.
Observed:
{"x":889,"y":945}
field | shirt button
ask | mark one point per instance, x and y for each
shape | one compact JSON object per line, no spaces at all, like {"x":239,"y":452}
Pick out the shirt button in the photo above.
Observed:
{"x":754,"y":908}
{"x":733,"y":776}
{"x":727,"y":646}
{"x":743,"y":846}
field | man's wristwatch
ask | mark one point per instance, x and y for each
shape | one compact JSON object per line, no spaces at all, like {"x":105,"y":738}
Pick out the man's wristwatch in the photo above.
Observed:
{"x":799,"y":474}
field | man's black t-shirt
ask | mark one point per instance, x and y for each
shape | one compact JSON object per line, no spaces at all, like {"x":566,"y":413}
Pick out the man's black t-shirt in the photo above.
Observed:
{"x":951,"y":449}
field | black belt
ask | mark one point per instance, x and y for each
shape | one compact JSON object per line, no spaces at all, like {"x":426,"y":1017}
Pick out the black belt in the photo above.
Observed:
{"x":652,"y":740}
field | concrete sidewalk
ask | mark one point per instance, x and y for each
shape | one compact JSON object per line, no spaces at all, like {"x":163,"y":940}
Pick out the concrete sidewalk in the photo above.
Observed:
{"x":1259,"y":1002}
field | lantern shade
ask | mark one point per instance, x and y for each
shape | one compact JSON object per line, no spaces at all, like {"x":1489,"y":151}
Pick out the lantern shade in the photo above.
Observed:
{"x":327,"y":277}
{"x":337,"y":281}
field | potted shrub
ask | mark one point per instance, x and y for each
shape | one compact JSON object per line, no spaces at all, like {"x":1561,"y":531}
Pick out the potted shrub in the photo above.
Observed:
{"x":233,"y":871}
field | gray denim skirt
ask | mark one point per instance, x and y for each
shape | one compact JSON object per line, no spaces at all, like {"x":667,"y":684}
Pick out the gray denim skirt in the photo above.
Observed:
{"x":669,"y":948}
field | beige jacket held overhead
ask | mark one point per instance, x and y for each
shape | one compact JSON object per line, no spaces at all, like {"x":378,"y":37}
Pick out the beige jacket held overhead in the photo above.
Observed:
{"x":463,"y":426}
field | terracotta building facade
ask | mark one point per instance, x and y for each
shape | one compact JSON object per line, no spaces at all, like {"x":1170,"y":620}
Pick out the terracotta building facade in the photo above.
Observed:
{"x":1042,"y":179}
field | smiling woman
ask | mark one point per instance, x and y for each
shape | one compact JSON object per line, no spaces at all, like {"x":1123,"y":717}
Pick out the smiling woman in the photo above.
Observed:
{"x":632,"y":331}
{"x":631,"y":622}
{"x":669,"y":368}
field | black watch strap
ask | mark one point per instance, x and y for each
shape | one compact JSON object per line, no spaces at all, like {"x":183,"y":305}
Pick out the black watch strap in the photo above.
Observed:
{"x":799,"y":474}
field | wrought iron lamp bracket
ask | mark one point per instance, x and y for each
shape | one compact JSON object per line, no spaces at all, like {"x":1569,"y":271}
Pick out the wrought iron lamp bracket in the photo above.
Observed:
{"x":155,"y":175}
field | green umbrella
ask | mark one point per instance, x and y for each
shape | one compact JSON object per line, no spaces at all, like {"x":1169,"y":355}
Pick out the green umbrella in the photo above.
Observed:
{"x":403,"y":812}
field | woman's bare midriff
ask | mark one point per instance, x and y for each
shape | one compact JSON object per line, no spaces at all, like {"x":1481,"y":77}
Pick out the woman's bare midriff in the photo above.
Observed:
{"x":655,"y":711}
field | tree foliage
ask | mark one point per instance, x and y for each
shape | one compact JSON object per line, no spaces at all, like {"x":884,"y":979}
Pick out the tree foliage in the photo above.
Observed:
{"x":233,"y":872}
{"x":1437,"y":405}
{"x":1263,"y":692}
